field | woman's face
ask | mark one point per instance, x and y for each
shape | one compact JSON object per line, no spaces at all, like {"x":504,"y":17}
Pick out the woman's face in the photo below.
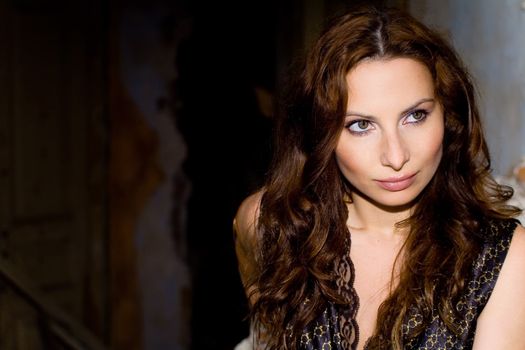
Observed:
{"x":391,"y":145}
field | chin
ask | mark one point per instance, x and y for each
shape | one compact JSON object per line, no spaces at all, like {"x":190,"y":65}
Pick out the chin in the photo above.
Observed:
{"x":393,"y":200}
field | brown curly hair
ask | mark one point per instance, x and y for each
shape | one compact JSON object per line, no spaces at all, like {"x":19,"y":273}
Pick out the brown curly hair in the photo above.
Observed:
{"x":302,"y":221}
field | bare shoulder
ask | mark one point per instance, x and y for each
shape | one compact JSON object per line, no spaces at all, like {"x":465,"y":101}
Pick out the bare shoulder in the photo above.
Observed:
{"x":246,"y":218}
{"x":505,"y":310}
{"x":244,"y":229}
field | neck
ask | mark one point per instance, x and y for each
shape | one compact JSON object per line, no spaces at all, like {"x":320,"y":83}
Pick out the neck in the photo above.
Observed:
{"x":365,"y":215}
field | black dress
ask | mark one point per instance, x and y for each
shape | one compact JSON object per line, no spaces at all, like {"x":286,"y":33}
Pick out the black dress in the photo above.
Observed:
{"x":337,"y":329}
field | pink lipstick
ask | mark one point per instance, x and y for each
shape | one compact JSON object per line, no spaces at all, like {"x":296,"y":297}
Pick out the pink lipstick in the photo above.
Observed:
{"x":395,"y":184}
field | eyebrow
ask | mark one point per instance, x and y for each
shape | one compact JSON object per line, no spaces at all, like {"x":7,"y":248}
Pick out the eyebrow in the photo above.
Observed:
{"x":405,"y":111}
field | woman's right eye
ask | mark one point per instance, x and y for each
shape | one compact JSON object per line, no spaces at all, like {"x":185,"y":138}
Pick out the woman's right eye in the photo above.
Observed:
{"x":359,"y":127}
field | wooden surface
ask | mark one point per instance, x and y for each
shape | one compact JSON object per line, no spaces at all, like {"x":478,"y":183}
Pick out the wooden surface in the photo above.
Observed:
{"x":52,"y":183}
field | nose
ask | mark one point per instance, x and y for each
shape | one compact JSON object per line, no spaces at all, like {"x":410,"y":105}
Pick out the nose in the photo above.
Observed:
{"x":394,"y":153}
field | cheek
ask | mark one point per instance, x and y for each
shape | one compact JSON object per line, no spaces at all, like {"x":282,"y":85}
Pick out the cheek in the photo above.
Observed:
{"x":430,"y":146}
{"x":351,"y":163}
{"x":343,"y":159}
{"x":436,"y":143}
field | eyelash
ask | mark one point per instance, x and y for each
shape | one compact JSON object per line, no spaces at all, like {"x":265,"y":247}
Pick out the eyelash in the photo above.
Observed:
{"x":358,"y":133}
{"x":424,"y":116}
{"x":418,"y":121}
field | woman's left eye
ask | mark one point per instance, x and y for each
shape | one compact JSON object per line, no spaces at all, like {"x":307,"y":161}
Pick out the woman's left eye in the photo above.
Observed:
{"x":416,"y":117}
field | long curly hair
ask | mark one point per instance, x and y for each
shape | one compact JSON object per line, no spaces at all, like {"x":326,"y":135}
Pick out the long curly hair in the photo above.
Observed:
{"x":301,"y":227}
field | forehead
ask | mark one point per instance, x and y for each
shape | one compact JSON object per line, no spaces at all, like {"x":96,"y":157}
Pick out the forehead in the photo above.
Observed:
{"x":392,"y":83}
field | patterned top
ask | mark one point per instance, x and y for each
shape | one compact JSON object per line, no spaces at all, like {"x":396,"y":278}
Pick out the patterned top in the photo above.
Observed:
{"x":337,"y":329}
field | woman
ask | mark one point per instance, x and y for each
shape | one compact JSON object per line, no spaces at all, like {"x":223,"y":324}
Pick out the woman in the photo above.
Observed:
{"x":380,"y":226}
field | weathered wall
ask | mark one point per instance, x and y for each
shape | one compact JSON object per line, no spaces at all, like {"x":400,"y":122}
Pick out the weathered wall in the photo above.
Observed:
{"x":489,"y":35}
{"x":147,"y":69}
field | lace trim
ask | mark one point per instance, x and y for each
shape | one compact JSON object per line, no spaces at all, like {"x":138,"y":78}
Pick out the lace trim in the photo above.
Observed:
{"x":345,"y":285}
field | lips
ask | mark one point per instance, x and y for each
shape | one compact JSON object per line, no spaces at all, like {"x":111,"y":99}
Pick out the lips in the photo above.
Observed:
{"x":395,"y":184}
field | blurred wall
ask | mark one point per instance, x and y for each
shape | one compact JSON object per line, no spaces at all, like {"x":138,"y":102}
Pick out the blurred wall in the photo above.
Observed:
{"x":489,"y":35}
{"x":154,"y":188}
